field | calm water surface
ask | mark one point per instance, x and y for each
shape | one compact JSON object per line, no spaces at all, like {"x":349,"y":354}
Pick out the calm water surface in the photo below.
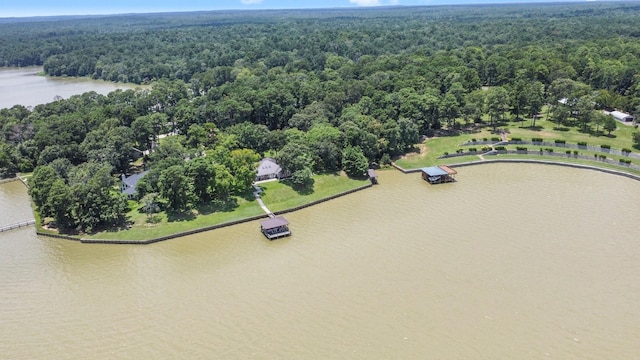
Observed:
{"x":23,"y":86}
{"x":511,"y":262}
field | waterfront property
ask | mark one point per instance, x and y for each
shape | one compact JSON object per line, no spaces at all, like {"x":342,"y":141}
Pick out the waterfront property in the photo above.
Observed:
{"x":438,"y":174}
{"x":275,"y":227}
{"x":269,"y":169}
{"x":129,"y":183}
{"x":373,"y":176}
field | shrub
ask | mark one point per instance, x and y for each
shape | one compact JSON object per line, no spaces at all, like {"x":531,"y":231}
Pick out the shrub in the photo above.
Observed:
{"x":604,"y":146}
{"x":495,"y":139}
{"x":536,"y":139}
{"x":473,"y":149}
{"x":568,"y":152}
{"x":484,"y":139}
{"x":625,"y":150}
{"x":473,"y":140}
{"x":516,"y":139}
{"x":582,"y":143}
{"x":549,"y":150}
{"x":575,"y":152}
{"x":521,"y":148}
{"x":560,"y":141}
{"x":602,"y":157}
{"x":459,"y":151}
{"x":446,"y":153}
{"x":500,"y":148}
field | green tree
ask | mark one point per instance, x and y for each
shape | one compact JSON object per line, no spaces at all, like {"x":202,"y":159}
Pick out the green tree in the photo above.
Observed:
{"x":609,"y":124}
{"x":354,"y":163}
{"x":176,"y":188}
{"x":40,"y":187}
{"x":497,"y":104}
{"x":60,"y":202}
{"x":636,"y":140}
{"x":202,"y":173}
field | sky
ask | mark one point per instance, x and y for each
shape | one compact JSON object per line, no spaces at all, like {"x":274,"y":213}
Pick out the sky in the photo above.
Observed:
{"x":24,"y":8}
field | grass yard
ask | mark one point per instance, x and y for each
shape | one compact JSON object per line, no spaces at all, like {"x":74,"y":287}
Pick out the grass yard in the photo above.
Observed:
{"x":427,"y":153}
{"x":142,"y":230}
{"x":278,"y":196}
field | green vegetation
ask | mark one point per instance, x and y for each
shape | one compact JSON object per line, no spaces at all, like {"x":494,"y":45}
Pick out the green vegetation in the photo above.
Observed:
{"x":279,"y":196}
{"x":320,"y":91}
{"x":620,"y":139}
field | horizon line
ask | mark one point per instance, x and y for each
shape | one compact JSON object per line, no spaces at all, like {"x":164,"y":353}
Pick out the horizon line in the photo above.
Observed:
{"x":346,"y":7}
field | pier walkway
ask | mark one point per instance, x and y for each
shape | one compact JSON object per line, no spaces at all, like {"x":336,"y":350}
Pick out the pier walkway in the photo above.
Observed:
{"x":260,"y":202}
{"x":17,"y":225}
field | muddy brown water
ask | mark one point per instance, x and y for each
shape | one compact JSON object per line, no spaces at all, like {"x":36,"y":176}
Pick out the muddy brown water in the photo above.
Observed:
{"x":513,"y":261}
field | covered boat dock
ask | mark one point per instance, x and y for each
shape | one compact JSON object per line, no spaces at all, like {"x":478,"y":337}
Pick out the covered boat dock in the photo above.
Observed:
{"x":275,"y":227}
{"x":438,"y":174}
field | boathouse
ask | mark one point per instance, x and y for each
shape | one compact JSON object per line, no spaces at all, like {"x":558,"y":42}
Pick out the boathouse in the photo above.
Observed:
{"x":275,"y":227}
{"x":438,"y":174}
{"x":373,"y":176}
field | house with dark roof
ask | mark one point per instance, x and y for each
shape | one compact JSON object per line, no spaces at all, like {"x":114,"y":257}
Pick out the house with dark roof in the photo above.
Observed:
{"x":269,"y":169}
{"x":128,"y":184}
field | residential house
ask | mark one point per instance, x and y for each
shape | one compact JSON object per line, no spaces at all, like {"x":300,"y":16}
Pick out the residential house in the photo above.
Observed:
{"x":128,"y":185}
{"x":269,"y":169}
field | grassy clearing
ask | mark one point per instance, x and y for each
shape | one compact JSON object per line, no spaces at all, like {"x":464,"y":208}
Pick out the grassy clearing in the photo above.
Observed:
{"x":427,"y":154}
{"x":143,"y":230}
{"x":280,"y":196}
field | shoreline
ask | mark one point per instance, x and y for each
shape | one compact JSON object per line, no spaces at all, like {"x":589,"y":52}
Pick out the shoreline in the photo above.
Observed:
{"x":200,"y":230}
{"x":344,"y":193}
{"x":529,"y":161}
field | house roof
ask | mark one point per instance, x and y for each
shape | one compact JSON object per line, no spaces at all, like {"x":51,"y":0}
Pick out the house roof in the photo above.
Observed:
{"x":434,"y":171}
{"x":132,"y":181}
{"x":621,"y":116}
{"x":268,"y":166}
{"x":274,"y":223}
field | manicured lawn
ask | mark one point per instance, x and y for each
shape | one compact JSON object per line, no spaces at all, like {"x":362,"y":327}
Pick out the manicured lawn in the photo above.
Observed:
{"x":435,"y":147}
{"x":278,"y":196}
{"x":142,"y":230}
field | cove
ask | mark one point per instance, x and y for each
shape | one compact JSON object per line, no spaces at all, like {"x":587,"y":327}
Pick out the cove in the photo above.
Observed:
{"x":24,"y":86}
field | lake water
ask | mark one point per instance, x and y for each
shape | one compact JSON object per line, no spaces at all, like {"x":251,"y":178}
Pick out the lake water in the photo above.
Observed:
{"x":514,"y":261}
{"x":23,"y":86}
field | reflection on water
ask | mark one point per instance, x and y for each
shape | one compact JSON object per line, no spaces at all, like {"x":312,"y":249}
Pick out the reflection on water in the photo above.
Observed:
{"x":512,"y":261}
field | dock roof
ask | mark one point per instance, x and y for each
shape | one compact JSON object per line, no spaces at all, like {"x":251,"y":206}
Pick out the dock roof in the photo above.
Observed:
{"x":434,"y":171}
{"x":274,"y":223}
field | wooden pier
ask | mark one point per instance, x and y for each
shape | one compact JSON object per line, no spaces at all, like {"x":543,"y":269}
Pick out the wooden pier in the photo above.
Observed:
{"x":17,"y":225}
{"x":276,"y":226}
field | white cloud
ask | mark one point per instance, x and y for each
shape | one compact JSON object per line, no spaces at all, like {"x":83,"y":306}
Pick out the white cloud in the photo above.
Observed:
{"x":365,"y":2}
{"x":250,"y":2}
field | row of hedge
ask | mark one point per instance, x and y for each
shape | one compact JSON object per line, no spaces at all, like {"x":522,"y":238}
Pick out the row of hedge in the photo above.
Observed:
{"x":539,"y":141}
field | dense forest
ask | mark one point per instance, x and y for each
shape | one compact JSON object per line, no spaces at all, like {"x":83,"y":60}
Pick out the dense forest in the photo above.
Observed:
{"x":322,"y":91}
